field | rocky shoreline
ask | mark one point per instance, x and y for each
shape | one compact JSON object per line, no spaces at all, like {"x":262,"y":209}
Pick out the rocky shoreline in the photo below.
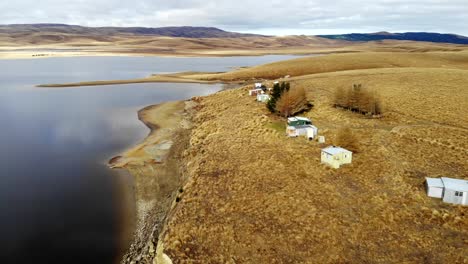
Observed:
{"x":159,"y":172}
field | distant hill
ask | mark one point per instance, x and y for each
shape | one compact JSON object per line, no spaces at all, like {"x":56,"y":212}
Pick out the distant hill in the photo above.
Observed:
{"x":414,"y":36}
{"x":183,"y":32}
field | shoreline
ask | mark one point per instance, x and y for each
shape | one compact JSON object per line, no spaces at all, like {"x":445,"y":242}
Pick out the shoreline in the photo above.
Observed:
{"x":157,"y":170}
{"x":5,"y":54}
{"x":160,"y":119}
{"x":163,"y":78}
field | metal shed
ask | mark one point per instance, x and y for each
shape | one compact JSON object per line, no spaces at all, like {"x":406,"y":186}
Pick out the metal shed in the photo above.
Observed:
{"x":454,"y":191}
{"x":336,"y":156}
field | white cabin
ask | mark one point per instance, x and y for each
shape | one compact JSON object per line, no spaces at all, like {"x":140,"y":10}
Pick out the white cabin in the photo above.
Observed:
{"x":452,"y":191}
{"x":263,"y":98}
{"x":336,"y":156}
{"x":255,"y":92}
{"x":309,"y":131}
{"x":258,"y":85}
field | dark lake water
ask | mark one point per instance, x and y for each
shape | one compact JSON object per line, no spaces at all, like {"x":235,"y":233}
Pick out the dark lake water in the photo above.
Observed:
{"x":58,"y":200}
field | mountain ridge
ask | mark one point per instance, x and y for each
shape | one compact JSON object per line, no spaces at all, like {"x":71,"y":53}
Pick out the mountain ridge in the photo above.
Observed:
{"x":412,"y":36}
{"x":182,"y":31}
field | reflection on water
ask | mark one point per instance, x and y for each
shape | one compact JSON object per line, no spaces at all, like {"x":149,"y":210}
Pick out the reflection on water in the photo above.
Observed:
{"x":58,"y":200}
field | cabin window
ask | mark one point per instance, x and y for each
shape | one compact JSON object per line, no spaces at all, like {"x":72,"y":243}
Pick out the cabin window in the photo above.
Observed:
{"x":459,"y":194}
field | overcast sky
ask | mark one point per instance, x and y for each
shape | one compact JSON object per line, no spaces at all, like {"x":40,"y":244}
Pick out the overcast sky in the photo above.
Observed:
{"x":278,"y":17}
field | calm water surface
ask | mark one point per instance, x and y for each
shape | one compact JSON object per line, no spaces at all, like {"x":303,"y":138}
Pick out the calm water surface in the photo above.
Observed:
{"x":58,"y":200}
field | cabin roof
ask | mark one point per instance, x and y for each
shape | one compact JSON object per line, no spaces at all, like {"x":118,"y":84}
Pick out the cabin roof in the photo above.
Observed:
{"x":434,"y":182}
{"x":333,"y":150}
{"x":298,"y":118}
{"x":455,"y":184}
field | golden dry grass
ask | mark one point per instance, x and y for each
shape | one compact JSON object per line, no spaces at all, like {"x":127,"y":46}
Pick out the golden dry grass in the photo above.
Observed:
{"x":255,"y":196}
{"x":344,"y":62}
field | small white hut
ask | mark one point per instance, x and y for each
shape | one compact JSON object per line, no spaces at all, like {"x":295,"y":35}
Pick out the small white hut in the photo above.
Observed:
{"x":263,"y":98}
{"x":454,"y":191}
{"x":336,"y":156}
{"x":255,"y":92}
{"x":258,"y":85}
{"x":309,"y":131}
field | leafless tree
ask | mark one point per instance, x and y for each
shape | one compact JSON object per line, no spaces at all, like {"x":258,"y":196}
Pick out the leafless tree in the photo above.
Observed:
{"x":358,"y":99}
{"x":292,"y":102}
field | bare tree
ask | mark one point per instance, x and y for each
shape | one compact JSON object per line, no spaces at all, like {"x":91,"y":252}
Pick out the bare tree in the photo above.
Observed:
{"x":358,"y":99}
{"x":292,"y":102}
{"x":340,"y":97}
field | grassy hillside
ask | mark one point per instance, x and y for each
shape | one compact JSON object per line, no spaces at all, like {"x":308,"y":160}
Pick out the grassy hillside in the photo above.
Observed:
{"x":344,"y":62}
{"x":255,"y":196}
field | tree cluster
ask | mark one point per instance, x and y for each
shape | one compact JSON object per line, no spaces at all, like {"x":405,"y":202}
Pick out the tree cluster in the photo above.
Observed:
{"x":293,"y":102}
{"x":278,"y":90}
{"x":286,"y":101}
{"x":358,"y":99}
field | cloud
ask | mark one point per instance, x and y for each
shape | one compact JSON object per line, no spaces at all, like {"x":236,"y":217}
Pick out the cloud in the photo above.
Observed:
{"x":271,"y":17}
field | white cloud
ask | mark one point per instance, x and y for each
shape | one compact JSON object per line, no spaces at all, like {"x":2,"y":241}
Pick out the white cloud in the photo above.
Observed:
{"x":267,"y":17}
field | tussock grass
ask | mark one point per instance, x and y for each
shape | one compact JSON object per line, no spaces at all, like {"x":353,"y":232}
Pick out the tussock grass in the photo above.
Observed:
{"x":278,"y":126}
{"x":256,"y":196}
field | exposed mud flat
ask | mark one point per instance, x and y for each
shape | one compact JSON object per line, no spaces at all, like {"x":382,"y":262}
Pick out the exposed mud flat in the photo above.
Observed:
{"x":158,"y":171}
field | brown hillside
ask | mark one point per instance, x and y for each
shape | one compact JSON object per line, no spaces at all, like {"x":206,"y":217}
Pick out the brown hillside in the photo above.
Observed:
{"x":344,"y":62}
{"x":255,"y":196}
{"x":82,"y":41}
